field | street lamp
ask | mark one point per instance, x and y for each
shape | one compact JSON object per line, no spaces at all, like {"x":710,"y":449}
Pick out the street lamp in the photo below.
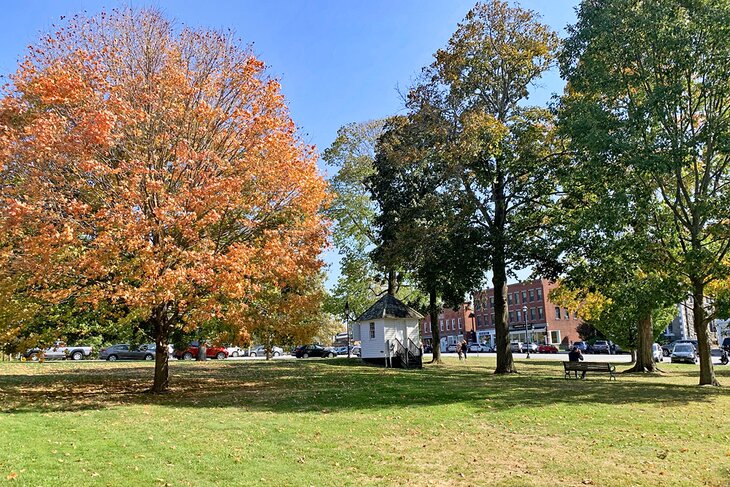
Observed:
{"x":527,"y":337}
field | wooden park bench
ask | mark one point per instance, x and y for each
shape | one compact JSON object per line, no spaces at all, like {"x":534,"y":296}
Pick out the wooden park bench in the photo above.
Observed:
{"x":601,"y":367}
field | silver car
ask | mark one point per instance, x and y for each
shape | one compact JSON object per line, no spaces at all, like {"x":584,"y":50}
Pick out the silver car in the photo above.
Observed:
{"x":261,"y":352}
{"x":684,"y":352}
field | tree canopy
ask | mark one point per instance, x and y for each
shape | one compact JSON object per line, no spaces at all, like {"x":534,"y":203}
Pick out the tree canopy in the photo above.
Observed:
{"x":155,"y":167}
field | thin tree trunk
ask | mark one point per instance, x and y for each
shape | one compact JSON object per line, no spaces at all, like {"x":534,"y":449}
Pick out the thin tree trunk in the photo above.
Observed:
{"x":707,"y":371}
{"x":392,"y":282}
{"x":433,"y":313}
{"x":644,"y":356}
{"x":162,"y":340}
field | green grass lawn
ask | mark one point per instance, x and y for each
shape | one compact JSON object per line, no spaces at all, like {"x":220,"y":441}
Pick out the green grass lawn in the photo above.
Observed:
{"x":340,"y":423}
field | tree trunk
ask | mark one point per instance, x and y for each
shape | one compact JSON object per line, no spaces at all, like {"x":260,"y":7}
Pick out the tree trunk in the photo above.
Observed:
{"x":202,"y":351}
{"x":644,"y":356}
{"x":505,"y":362}
{"x":433,"y":313}
{"x":162,"y":340}
{"x":392,"y":282}
{"x":707,"y":371}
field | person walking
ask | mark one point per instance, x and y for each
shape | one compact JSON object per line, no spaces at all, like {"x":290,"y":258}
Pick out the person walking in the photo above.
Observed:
{"x":464,"y":348}
{"x":458,"y":350}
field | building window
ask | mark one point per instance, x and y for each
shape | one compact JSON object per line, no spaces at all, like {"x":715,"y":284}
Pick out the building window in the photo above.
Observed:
{"x":511,"y":316}
{"x":539,"y":294}
{"x":524,"y":297}
{"x":509,"y":298}
{"x":517,"y":298}
{"x":539,"y":313}
{"x":557,"y":313}
{"x":448,"y":325}
{"x":477,"y":305}
{"x":492,"y":319}
{"x":372,"y":331}
{"x":566,"y":313}
{"x":453,"y":324}
{"x":479,"y":321}
{"x":491,"y":301}
{"x":519,"y":317}
{"x":441,"y":325}
{"x":555,"y":336}
{"x":532,"y":295}
{"x":532,"y":314}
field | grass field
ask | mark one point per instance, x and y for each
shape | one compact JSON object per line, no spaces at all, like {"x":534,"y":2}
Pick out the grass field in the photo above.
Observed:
{"x":336,"y":422}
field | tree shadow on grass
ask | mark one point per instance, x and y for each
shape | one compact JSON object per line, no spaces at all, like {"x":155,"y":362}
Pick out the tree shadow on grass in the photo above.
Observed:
{"x":329,"y":386}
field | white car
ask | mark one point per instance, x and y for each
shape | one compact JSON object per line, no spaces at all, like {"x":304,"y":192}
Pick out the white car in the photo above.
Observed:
{"x":59,"y":352}
{"x":235,"y":351}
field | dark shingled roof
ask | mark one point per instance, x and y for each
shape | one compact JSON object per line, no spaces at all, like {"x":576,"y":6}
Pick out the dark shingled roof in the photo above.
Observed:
{"x":389,"y":307}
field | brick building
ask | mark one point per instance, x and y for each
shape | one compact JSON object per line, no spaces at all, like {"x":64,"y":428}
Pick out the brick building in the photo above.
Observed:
{"x":547,"y":322}
{"x":454,"y":326}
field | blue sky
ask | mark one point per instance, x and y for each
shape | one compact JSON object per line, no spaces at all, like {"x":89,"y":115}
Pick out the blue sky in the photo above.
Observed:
{"x":339,"y":61}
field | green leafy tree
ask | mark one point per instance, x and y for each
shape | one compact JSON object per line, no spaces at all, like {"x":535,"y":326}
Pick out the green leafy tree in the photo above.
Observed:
{"x":604,"y":238}
{"x":501,"y":151}
{"x":648,"y":92}
{"x":421,"y":224}
{"x":353,"y":214}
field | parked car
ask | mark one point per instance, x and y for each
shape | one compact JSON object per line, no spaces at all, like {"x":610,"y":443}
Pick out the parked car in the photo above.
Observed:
{"x":475,"y":347}
{"x":59,"y":351}
{"x":191,"y":352}
{"x":356,"y":350}
{"x":124,"y":351}
{"x":684,"y":352}
{"x":261,"y":352}
{"x":236,"y":351}
{"x":529,"y":346}
{"x":516,"y":346}
{"x":315,"y":351}
{"x":341,"y":350}
{"x":427,"y":349}
{"x":602,"y":346}
{"x":544,"y":348}
{"x":582,"y":346}
{"x":667,"y":349}
{"x":725,"y":345}
{"x":487,"y":348}
{"x":657,"y":352}
{"x":451,"y":348}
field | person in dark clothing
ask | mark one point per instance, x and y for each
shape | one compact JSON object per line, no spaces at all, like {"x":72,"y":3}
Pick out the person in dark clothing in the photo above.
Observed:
{"x":464,"y":348}
{"x":575,"y":355}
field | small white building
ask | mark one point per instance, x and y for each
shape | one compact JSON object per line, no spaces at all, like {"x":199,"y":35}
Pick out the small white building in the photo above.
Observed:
{"x":389,"y":334}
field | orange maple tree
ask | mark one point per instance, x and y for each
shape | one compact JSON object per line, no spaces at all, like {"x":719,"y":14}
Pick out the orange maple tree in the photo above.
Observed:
{"x":156,"y":167}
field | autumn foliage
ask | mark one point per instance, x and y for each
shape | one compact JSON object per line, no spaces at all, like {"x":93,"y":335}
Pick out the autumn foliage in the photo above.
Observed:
{"x":159,"y":168}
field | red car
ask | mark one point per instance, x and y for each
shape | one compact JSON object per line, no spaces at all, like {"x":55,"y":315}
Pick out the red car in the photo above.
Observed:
{"x":547,"y":349}
{"x":192,"y":352}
